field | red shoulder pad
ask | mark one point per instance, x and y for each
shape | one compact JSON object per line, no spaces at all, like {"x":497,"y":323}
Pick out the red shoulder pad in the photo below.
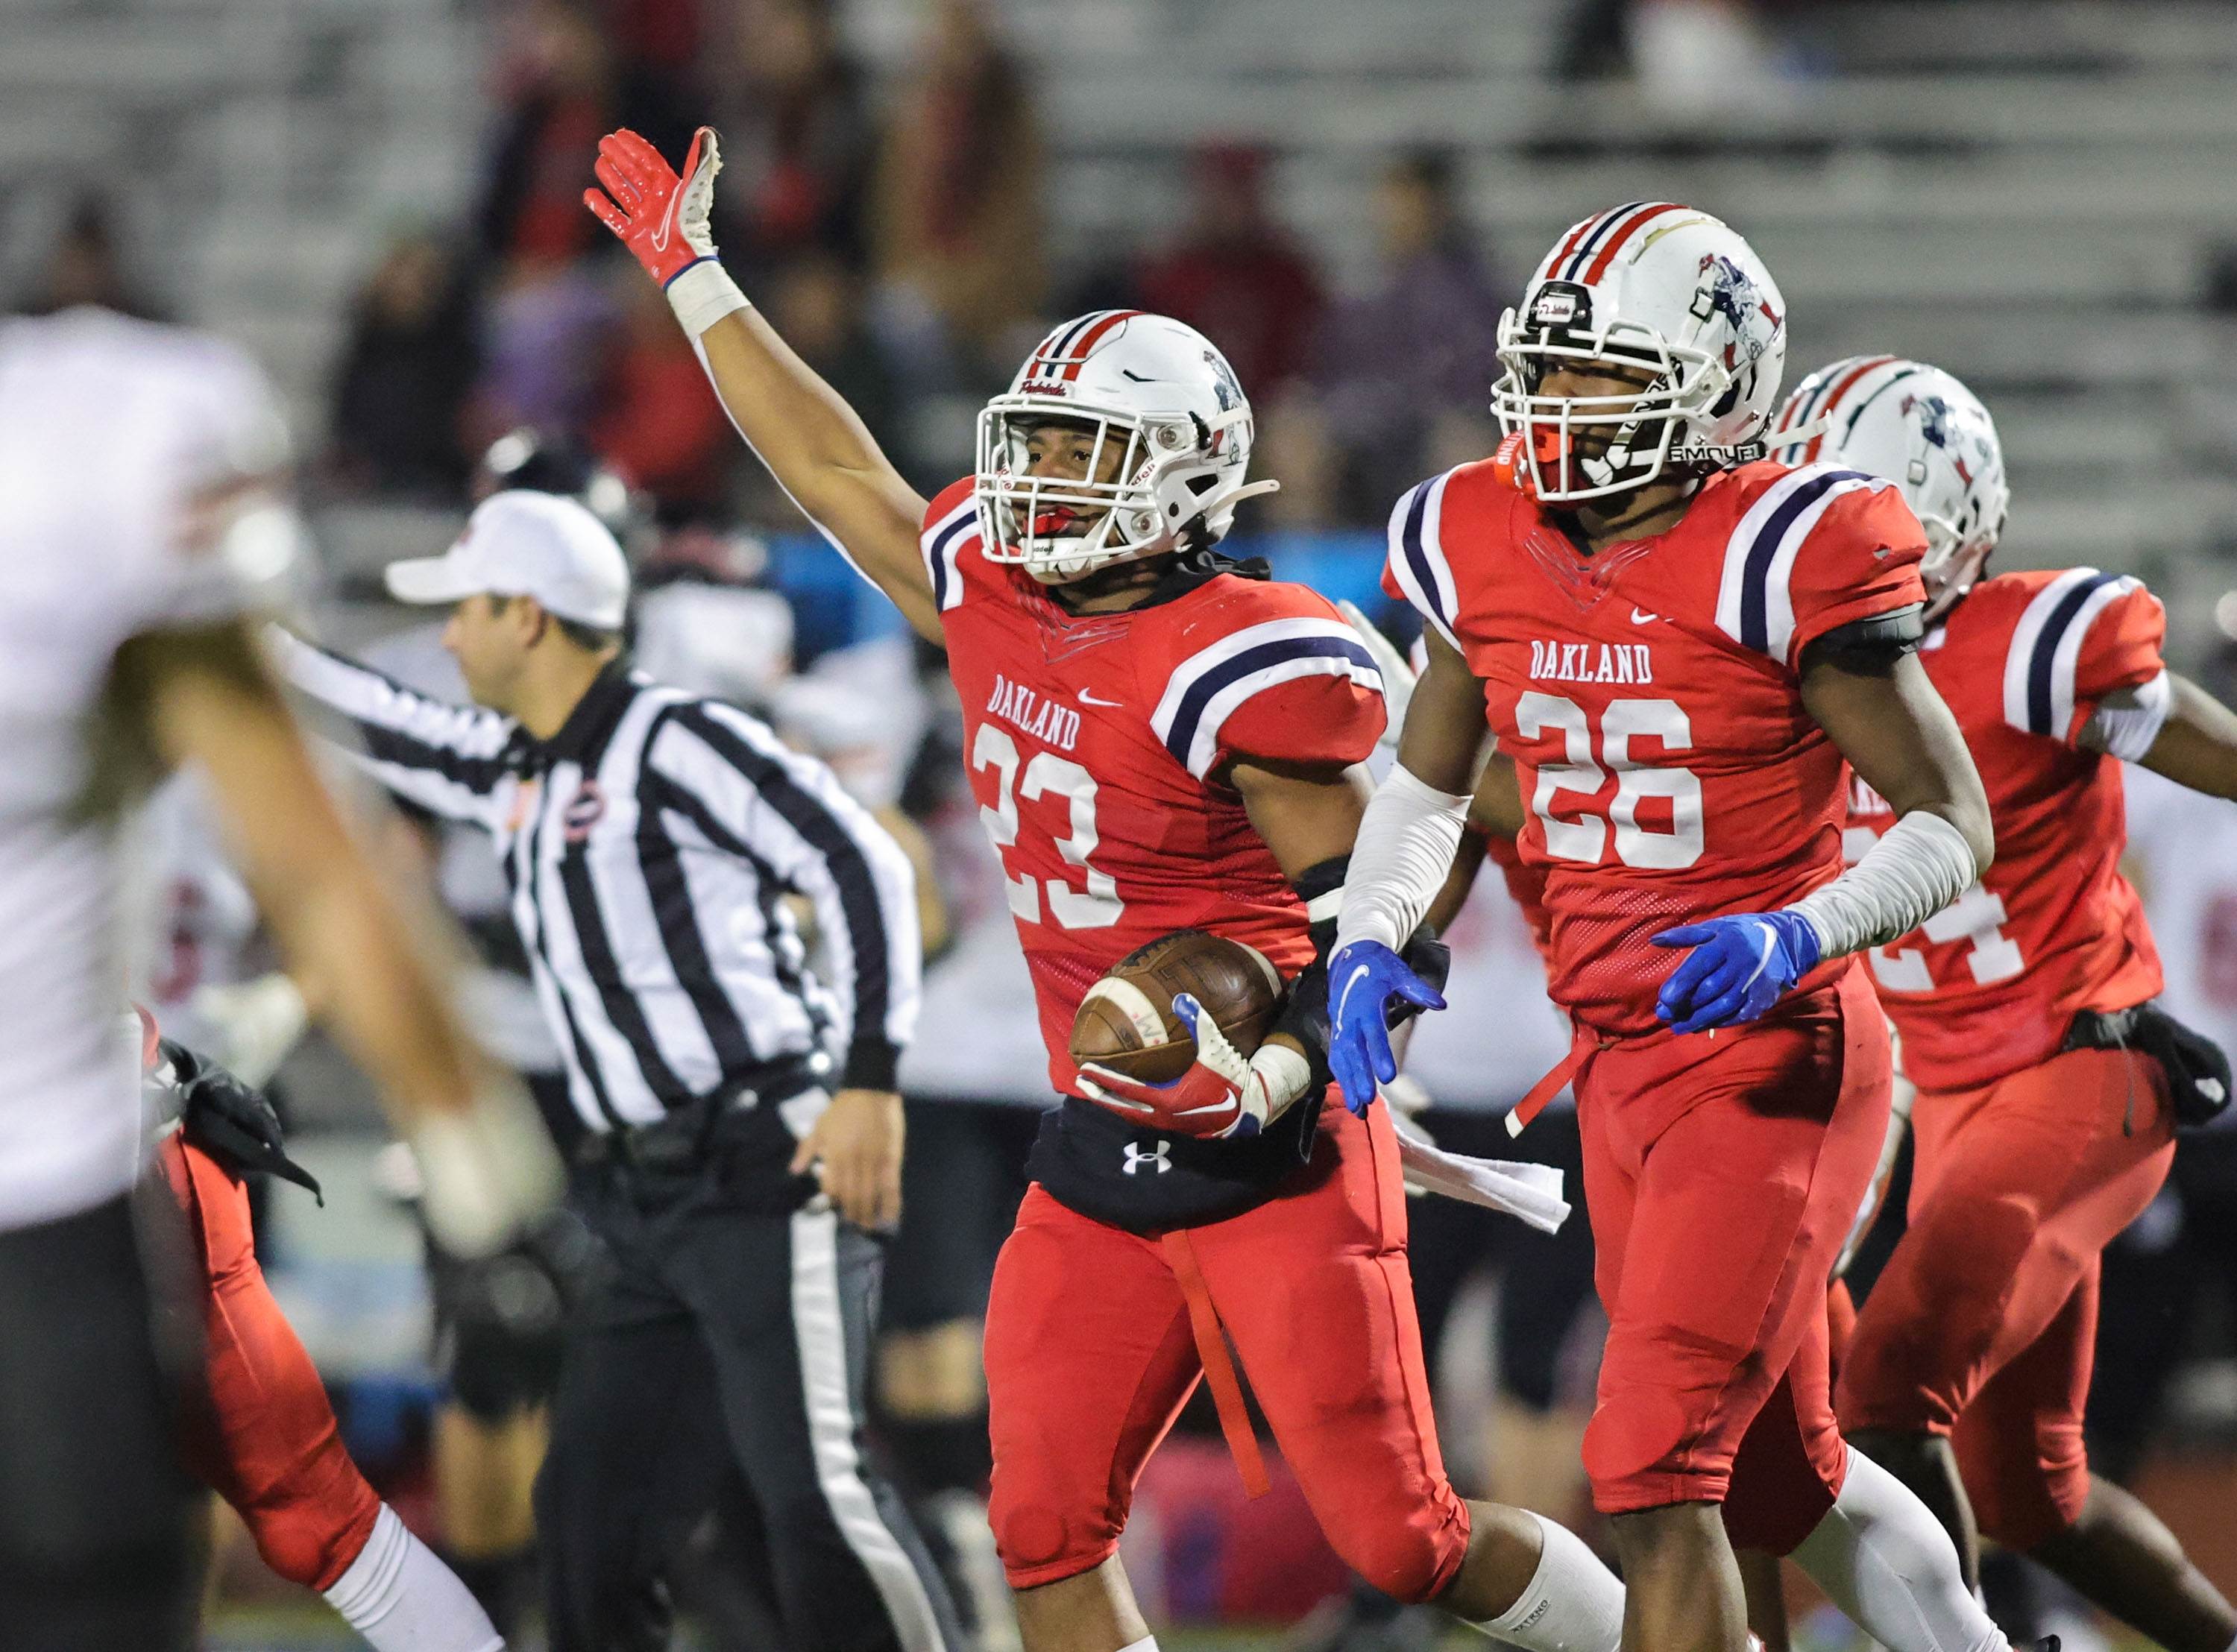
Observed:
{"x":2082,"y":635}
{"x":1271,"y":672}
{"x":1416,"y":570}
{"x":1819,"y":548}
{"x":949,"y":542}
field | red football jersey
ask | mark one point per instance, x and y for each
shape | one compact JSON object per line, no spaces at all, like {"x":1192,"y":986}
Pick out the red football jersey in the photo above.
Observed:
{"x":1988,"y":986}
{"x":1649,"y":696}
{"x":1094,"y":743}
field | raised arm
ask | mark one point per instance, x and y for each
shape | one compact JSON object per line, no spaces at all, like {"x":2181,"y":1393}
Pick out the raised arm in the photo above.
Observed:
{"x":797,"y":426}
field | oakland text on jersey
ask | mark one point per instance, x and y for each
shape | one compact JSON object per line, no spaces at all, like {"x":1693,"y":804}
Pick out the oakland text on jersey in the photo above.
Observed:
{"x":1590,"y":662}
{"x":1026,"y":711}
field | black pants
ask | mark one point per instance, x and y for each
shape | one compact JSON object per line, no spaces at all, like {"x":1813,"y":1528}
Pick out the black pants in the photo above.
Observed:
{"x":95,"y":1509}
{"x":724,"y":1334}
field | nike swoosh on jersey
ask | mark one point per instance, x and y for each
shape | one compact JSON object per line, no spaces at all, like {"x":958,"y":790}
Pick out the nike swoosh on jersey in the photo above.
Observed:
{"x":1641,"y":616}
{"x":1087,"y":699}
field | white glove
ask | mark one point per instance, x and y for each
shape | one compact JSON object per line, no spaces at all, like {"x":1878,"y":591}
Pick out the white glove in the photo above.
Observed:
{"x":485,"y":1173}
{"x":257,"y":1023}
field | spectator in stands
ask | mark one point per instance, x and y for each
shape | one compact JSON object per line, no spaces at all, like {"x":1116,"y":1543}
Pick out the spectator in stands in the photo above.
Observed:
{"x":957,"y":238}
{"x":797,"y":127}
{"x":87,"y":267}
{"x":655,"y":48}
{"x":1405,"y":370}
{"x":400,"y":387}
{"x":656,"y":420}
{"x":545,"y":341}
{"x":1237,"y":276}
{"x":556,"y":99}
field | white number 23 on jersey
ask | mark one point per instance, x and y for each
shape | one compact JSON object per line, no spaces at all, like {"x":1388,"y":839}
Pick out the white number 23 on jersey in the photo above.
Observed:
{"x":1097,"y":904}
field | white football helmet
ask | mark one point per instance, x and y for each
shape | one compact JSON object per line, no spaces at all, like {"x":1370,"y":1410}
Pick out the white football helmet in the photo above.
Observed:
{"x":1923,"y":431}
{"x":1657,"y":286}
{"x":1157,"y":396}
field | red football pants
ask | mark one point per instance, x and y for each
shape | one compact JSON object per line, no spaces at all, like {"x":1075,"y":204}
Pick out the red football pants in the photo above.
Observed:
{"x":1983,"y":1325}
{"x":1721,"y":1173}
{"x":263,"y":1436}
{"x":1090,"y":1356}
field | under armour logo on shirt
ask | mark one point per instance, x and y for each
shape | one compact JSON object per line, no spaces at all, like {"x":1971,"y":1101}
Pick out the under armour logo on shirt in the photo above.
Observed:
{"x":1135,"y":1158}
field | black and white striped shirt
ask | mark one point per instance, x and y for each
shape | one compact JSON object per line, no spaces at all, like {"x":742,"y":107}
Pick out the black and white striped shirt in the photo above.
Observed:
{"x":647,"y":846}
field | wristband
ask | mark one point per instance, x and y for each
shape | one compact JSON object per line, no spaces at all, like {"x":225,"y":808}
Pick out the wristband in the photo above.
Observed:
{"x":703,"y":293}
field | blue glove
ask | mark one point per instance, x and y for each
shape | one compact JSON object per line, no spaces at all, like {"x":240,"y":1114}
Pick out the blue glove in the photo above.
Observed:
{"x":1363,"y":975}
{"x":1741,"y":965}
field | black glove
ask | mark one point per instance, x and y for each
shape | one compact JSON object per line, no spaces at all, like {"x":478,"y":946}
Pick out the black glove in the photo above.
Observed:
{"x":524,"y":1291}
{"x":2197,"y":1069}
{"x":228,"y":1120}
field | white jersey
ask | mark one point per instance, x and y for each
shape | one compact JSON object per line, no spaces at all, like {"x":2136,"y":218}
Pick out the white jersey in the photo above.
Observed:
{"x":202,"y":918}
{"x":109,"y":428}
{"x":2183,"y":845}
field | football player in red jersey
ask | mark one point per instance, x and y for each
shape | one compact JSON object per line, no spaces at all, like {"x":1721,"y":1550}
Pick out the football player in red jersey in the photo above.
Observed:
{"x":1159,"y":738}
{"x":1679,"y":645}
{"x":2048,"y":1084}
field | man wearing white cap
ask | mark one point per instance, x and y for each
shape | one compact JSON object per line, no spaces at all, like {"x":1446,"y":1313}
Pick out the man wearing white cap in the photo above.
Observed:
{"x":743,"y":1135}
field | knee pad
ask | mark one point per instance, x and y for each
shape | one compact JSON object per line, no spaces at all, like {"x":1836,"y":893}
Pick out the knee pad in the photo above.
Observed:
{"x":1409,"y":1558}
{"x":1039,"y":1544}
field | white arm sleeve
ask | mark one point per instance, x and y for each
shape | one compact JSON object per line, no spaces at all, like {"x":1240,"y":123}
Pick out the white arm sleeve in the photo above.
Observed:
{"x":703,"y":296}
{"x":1920,"y":865}
{"x":1402,"y":855}
{"x":2128,"y":721}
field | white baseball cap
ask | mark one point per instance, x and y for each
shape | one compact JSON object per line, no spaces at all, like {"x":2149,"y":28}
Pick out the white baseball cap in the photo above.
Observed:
{"x":519,"y":543}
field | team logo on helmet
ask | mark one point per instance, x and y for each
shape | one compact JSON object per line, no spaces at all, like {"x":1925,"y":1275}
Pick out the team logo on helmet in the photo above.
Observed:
{"x":1562,"y":303}
{"x":1727,"y":290}
{"x":1933,"y":418}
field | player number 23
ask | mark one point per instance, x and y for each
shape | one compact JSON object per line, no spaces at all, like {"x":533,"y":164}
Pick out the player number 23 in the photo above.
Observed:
{"x":1586,"y":836}
{"x":1097,"y":906}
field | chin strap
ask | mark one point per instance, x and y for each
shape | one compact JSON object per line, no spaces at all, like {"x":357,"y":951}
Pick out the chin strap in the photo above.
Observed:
{"x":1780,"y":441}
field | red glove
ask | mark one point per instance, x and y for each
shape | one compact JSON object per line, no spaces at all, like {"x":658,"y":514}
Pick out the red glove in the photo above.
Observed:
{"x":1221,"y":1094}
{"x":660,"y":217}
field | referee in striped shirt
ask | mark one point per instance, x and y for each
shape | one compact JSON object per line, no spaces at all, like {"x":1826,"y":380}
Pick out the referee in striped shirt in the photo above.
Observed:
{"x":744,"y":1136}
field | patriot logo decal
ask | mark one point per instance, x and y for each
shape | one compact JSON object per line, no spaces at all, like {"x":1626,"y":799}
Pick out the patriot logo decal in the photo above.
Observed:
{"x":1727,"y":290}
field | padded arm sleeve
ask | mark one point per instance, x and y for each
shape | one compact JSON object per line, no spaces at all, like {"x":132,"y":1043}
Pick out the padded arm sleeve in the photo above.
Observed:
{"x":1920,"y":865}
{"x":1405,"y":849}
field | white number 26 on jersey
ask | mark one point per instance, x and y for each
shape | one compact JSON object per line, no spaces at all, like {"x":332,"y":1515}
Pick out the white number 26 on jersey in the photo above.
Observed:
{"x":1095,"y":906}
{"x":1586,"y":836}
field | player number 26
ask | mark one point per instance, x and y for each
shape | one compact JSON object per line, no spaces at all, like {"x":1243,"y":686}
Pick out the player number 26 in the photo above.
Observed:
{"x":1095,"y":906}
{"x":1586,"y":836}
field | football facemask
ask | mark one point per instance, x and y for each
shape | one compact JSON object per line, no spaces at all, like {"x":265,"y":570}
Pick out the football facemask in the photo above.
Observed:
{"x":1148,"y":483}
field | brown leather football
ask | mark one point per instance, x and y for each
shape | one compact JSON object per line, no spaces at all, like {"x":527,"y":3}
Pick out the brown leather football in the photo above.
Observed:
{"x":1126,"y":1021}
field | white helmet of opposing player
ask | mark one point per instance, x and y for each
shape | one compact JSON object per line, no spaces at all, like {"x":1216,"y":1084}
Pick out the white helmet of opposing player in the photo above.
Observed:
{"x":1170,"y":434}
{"x":1653,"y":288}
{"x":1923,"y":431}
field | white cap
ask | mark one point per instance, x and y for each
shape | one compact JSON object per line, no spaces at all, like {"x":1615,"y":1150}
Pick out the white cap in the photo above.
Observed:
{"x":519,"y":543}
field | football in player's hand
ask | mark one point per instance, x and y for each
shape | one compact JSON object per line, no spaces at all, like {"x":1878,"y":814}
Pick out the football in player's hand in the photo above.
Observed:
{"x":1126,"y":1021}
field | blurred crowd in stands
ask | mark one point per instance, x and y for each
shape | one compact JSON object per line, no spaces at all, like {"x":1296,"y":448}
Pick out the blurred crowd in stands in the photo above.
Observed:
{"x":896,"y":242}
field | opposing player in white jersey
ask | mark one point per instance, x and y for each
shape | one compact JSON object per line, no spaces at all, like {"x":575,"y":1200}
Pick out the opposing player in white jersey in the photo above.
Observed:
{"x":136,"y":464}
